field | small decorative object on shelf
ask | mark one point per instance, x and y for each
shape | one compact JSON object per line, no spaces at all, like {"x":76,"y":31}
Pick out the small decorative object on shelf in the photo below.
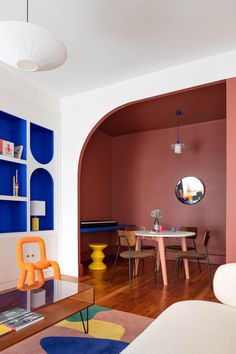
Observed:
{"x":16,"y":185}
{"x":18,"y":151}
{"x":156,"y":214}
{"x":37,"y":208}
{"x":6,"y":148}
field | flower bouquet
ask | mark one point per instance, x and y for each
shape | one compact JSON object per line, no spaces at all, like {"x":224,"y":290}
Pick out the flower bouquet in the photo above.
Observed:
{"x":156,"y":214}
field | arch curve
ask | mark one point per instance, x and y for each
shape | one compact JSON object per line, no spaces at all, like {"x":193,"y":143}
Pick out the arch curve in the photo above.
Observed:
{"x":89,"y":136}
{"x":42,"y":188}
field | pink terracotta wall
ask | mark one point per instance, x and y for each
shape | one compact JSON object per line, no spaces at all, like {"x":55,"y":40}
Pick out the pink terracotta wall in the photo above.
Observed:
{"x":145,"y":172}
{"x":231,"y":170}
{"x":125,"y":177}
{"x":96,"y":187}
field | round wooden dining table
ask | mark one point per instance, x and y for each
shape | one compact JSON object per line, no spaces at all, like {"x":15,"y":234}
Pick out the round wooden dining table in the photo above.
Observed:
{"x":160,"y":237}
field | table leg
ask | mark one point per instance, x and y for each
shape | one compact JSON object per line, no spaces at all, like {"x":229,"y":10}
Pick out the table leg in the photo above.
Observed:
{"x":137,"y":248}
{"x":161,"y":247}
{"x":184,"y":248}
{"x":86,"y":329}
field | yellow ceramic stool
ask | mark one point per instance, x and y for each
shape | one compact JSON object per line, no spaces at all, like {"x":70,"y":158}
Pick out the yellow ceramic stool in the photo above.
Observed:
{"x":97,"y":256}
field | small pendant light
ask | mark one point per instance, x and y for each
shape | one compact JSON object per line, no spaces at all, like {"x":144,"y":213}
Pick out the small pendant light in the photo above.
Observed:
{"x":178,"y":146}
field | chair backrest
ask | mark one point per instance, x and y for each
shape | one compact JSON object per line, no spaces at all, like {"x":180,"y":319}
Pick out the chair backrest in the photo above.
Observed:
{"x":206,"y":238}
{"x":190,"y":229}
{"x":135,"y":228}
{"x":19,"y":249}
{"x":126,"y":238}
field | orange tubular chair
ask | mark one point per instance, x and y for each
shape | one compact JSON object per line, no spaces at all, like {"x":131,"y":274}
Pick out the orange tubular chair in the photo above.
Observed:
{"x":30,"y":268}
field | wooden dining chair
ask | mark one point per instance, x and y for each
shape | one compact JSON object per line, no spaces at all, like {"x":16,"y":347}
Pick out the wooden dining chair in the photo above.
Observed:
{"x":193,"y":254}
{"x":146,"y":245}
{"x":178,"y":248}
{"x":127,"y":240}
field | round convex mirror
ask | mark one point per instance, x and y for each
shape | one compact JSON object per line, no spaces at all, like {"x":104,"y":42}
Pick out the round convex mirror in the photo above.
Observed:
{"x":189,"y":190}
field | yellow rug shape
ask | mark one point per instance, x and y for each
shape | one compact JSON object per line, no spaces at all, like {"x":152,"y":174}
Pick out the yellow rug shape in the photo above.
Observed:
{"x":97,"y":328}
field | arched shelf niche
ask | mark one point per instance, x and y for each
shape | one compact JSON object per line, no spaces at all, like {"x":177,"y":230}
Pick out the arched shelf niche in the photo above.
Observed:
{"x":41,"y":143}
{"x":42,"y":188}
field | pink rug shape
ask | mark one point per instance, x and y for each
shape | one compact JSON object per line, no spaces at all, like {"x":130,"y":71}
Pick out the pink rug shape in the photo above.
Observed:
{"x":127,"y":325}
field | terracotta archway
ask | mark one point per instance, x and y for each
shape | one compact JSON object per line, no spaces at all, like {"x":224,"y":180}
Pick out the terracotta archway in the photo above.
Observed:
{"x":80,"y":266}
{"x":107,"y":116}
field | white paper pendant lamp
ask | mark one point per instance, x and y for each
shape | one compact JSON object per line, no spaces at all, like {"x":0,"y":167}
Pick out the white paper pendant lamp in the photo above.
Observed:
{"x":29,"y":47}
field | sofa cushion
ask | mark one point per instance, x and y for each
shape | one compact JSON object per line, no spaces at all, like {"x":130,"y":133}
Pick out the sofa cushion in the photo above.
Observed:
{"x":224,"y":284}
{"x":196,"y":327}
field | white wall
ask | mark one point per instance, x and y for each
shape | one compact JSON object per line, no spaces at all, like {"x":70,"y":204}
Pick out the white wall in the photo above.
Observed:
{"x":80,"y":113}
{"x":25,"y":100}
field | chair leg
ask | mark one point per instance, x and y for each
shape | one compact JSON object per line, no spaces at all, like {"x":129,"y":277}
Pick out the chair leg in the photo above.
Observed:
{"x":198,"y":261}
{"x":31,"y":274}
{"x":129,"y":272}
{"x":181,"y":262}
{"x":141,"y":249}
{"x":177,"y":263}
{"x":181,"y":266}
{"x":199,"y":266}
{"x":40,"y":276}
{"x":155,"y":267}
{"x":209,"y":271}
{"x":56,"y":270}
{"x":155,"y":260}
{"x":114,"y":267}
{"x":143,"y":264}
{"x":133,"y":268}
{"x":21,"y":281}
{"x":157,"y":256}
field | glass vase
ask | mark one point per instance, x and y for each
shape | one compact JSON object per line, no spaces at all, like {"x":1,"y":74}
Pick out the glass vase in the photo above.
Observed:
{"x":156,"y":224}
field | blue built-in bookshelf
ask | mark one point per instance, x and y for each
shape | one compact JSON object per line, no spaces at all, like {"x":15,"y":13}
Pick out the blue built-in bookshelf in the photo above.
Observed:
{"x":13,"y":216}
{"x":13,"y":129}
{"x":15,"y":210}
{"x":41,"y":181}
{"x":42,"y":188}
{"x":41,"y":143}
{"x":7,"y":171}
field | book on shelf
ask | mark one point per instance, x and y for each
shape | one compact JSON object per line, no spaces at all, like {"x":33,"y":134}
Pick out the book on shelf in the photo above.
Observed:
{"x":19,"y":318}
{"x":18,"y":151}
{"x":4,"y":329}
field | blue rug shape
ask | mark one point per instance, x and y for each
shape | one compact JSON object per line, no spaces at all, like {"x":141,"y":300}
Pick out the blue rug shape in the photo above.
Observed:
{"x":71,"y":345}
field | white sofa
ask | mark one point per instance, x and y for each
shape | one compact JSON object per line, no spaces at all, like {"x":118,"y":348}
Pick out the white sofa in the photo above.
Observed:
{"x":195,"y":327}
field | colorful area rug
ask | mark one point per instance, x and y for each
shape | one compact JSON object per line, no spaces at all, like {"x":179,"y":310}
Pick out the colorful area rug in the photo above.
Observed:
{"x":110,"y":331}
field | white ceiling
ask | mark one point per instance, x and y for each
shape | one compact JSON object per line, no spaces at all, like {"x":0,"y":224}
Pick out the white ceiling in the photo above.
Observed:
{"x":113,"y":40}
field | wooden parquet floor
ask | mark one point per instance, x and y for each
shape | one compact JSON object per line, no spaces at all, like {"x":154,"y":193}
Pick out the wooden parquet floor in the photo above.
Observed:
{"x":145,"y":297}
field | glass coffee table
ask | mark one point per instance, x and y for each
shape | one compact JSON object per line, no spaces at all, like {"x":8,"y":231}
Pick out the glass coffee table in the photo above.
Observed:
{"x":55,"y":300}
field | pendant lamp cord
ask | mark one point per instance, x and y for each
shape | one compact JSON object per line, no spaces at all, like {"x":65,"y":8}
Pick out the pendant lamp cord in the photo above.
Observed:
{"x":27,"y":18}
{"x":178,"y":113}
{"x":177,"y":130}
